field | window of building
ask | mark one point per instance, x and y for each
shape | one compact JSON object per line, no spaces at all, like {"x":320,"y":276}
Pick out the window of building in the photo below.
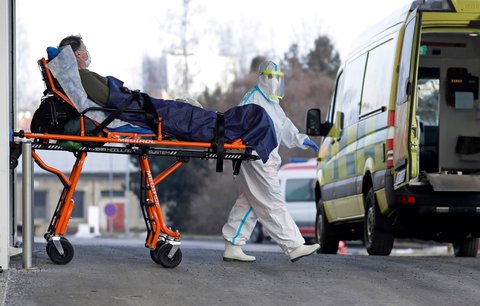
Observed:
{"x":378,"y":77}
{"x":79,"y":207}
{"x":40,"y":205}
{"x":115,"y":193}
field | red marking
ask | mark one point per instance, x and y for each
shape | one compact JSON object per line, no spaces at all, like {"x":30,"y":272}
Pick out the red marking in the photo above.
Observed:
{"x":307,"y":231}
{"x":391,"y":118}
{"x":299,"y":167}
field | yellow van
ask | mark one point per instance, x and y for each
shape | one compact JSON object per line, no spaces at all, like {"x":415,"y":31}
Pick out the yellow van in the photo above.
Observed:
{"x":401,"y":152}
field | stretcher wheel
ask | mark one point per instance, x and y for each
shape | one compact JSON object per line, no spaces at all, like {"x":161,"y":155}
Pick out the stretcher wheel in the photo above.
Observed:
{"x":153,"y":253}
{"x":58,"y":259}
{"x":161,"y":254}
{"x":13,"y":162}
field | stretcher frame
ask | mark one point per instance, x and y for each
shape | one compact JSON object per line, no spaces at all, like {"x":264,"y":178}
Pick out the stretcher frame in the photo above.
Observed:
{"x":162,"y":241}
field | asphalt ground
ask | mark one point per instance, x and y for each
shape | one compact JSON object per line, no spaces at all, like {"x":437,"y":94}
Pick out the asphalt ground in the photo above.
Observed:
{"x":120,"y":272}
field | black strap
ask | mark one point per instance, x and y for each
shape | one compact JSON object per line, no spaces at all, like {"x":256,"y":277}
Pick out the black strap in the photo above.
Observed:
{"x":218,"y":145}
{"x":135,"y":96}
{"x":53,"y":113}
{"x":150,"y":112}
{"x":236,"y":164}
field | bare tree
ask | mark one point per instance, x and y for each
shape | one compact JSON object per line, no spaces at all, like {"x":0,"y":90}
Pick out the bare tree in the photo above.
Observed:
{"x":154,"y":75}
{"x":29,"y":96}
{"x":185,"y":27}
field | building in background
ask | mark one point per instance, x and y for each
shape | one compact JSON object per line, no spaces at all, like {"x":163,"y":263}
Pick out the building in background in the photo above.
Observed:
{"x":103,"y":181}
{"x":164,"y":77}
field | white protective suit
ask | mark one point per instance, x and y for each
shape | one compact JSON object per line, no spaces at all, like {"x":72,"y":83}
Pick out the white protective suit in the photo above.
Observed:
{"x":260,"y":196}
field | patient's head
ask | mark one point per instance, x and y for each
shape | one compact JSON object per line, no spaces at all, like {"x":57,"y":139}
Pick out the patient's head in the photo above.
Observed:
{"x":79,"y":49}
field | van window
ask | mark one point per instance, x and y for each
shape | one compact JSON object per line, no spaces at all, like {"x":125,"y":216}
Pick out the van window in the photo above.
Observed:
{"x":378,"y":77}
{"x":338,"y":99}
{"x":298,"y":190}
{"x":352,"y":90}
{"x":404,"y":73}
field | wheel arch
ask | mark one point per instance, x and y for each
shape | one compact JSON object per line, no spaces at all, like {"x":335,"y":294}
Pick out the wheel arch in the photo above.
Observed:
{"x":318,"y":194}
{"x":367,"y":184}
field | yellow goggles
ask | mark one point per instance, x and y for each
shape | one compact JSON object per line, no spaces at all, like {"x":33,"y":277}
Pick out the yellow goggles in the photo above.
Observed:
{"x":272,"y":73}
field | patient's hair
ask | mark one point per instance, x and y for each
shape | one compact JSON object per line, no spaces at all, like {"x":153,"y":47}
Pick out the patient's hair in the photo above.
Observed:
{"x":72,"y":40}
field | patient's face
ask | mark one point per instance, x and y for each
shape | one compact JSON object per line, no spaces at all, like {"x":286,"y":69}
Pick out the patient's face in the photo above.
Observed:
{"x":82,"y":56}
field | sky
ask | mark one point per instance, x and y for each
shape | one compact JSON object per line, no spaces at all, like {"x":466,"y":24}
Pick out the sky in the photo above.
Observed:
{"x":119,"y":33}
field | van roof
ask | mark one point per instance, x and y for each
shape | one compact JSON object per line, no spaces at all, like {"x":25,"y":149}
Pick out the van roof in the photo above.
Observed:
{"x":400,"y":16}
{"x":459,"y":6}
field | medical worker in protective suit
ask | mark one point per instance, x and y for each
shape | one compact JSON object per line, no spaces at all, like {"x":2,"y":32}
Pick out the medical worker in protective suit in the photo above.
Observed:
{"x":260,"y":197}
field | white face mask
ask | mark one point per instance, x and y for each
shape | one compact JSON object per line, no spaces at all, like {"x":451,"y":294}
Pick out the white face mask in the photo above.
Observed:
{"x":274,"y":88}
{"x":88,"y":61}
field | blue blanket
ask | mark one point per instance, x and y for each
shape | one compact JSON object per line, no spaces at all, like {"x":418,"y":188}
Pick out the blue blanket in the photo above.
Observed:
{"x":251,"y":123}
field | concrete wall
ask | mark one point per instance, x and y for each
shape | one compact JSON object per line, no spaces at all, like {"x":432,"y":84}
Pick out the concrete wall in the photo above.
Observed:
{"x":6,"y":93}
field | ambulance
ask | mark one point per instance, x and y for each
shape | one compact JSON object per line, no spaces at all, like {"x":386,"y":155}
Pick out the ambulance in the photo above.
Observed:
{"x":400,"y":157}
{"x":297,"y":181}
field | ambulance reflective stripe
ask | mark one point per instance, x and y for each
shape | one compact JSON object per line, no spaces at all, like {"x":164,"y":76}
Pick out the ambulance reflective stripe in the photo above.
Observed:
{"x":391,"y":135}
{"x":400,"y":134}
{"x":344,"y":166}
{"x":359,"y":142}
{"x":371,"y":141}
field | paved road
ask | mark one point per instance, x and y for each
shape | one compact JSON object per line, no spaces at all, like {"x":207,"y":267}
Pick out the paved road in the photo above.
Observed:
{"x":120,"y":272}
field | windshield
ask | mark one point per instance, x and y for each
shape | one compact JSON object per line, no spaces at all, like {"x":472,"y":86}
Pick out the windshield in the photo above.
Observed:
{"x":299,"y":190}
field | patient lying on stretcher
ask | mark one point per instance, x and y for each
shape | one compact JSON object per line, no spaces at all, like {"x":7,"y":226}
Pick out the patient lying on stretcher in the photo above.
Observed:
{"x":87,"y":89}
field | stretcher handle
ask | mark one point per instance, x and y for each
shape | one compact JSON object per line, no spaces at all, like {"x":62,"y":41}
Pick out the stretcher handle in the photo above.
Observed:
{"x":19,"y":134}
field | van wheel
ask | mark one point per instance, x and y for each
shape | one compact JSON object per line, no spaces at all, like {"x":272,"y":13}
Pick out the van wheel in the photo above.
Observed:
{"x":325,"y":232}
{"x":467,"y":247}
{"x":377,"y":241}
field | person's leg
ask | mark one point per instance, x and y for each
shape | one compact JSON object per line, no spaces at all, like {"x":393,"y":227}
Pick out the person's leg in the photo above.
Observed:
{"x":261,"y":189}
{"x":241,"y":222}
{"x":237,"y":231}
{"x":272,"y":212}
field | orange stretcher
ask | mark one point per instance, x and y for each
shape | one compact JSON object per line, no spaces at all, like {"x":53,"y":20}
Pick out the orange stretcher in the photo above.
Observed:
{"x":162,"y":241}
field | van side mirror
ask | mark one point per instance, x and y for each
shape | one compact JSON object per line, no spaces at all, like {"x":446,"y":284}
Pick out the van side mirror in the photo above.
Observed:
{"x":315,"y":127}
{"x":313,"y":122}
